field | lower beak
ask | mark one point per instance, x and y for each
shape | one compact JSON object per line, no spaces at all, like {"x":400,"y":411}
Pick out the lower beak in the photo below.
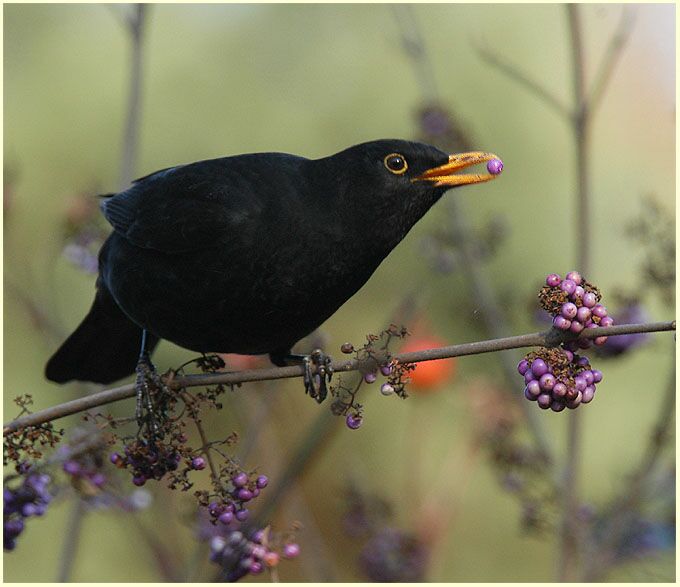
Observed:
{"x":444,"y":174}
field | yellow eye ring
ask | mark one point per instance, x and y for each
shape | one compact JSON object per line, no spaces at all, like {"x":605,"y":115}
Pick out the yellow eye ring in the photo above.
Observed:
{"x":396,"y":163}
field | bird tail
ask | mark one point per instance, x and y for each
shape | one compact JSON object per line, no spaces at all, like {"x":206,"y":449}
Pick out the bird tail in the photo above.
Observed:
{"x":104,"y":348}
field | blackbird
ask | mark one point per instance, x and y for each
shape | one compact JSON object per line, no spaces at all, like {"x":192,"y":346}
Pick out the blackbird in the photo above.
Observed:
{"x":248,"y":254}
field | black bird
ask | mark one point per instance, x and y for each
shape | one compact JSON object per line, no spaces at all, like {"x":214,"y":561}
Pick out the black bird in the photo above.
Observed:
{"x":248,"y":254}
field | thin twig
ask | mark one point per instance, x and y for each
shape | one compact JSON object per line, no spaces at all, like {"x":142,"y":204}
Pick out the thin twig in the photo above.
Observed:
{"x":414,"y":46}
{"x":517,"y":75}
{"x":548,"y":338}
{"x":610,"y":58}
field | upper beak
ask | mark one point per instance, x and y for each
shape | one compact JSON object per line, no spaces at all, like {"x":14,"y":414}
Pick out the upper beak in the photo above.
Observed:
{"x":444,"y":174}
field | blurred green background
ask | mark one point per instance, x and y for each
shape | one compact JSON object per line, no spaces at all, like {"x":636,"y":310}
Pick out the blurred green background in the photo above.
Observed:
{"x":311,"y":80}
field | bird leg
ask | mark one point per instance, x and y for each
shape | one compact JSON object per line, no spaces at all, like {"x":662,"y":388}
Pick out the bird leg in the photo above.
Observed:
{"x":147,"y":384}
{"x":315,"y":382}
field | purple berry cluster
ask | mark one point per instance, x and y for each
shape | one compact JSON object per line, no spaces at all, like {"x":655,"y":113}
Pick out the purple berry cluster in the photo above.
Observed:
{"x":575,"y":305}
{"x":147,"y":460}
{"x":240,"y":555}
{"x":31,"y":498}
{"x":558,"y":378}
{"x":231,"y":509}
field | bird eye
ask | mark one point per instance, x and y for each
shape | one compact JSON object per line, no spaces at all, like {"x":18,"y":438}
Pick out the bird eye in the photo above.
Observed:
{"x":396,"y":163}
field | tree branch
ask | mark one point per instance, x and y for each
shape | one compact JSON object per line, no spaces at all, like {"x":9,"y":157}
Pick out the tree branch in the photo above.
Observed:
{"x":548,"y":338}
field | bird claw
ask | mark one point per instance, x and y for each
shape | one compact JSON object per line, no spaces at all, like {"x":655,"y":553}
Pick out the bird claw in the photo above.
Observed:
{"x":315,"y":382}
{"x":148,"y":383}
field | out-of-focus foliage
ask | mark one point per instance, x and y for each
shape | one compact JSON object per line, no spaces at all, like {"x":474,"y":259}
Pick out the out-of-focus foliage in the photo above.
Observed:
{"x":311,"y":80}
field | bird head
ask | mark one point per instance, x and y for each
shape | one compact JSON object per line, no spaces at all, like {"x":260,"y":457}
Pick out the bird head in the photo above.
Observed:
{"x":395,"y":182}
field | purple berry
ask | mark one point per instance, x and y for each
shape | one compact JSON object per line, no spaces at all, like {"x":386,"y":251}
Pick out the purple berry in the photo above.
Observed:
{"x":588,"y":394}
{"x":494,"y":167}
{"x":557,"y":406}
{"x":561,"y":323}
{"x":576,"y":327}
{"x":580,"y":382}
{"x":544,"y":400}
{"x":569,"y":310}
{"x":553,"y":280}
{"x":98,"y":479}
{"x":291,"y":550}
{"x":353,"y":422}
{"x":529,"y":376}
{"x":370,"y":378}
{"x":568,"y":286}
{"x":523,"y":366}
{"x":242,"y":515}
{"x":539,"y":367}
{"x":589,"y":377}
{"x":572,"y":392}
{"x":578,"y":292}
{"x":259,"y":551}
{"x":583,"y":314}
{"x":256,"y":568}
{"x":597,"y":375}
{"x":582,"y":362}
{"x":589,"y":299}
{"x":547,"y":381}
{"x":573,"y":403}
{"x":533,"y":388}
{"x":239,"y":480}
{"x":599,"y":310}
{"x":569,"y":354}
{"x":528,"y":395}
{"x":198,"y":463}
{"x":600,"y":340}
{"x":574,"y":276}
{"x":386,"y":370}
{"x":139,"y":480}
{"x":262,"y":481}
{"x":245,"y":494}
{"x":559,"y":390}
{"x":226,"y":518}
{"x":387,"y":389}
{"x":607,"y":321}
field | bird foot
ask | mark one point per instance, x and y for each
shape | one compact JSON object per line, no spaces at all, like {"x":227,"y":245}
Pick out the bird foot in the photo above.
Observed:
{"x":148,"y":386}
{"x":315,"y":383}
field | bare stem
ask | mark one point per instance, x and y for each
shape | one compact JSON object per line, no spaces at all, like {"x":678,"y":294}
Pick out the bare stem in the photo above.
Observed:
{"x":623,"y":508}
{"x":548,"y":338}
{"x":130,"y":140}
{"x":71,"y":542}
{"x":569,"y":553}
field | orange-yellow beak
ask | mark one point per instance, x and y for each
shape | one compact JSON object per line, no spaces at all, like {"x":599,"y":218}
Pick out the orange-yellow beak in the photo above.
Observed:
{"x":444,"y":174}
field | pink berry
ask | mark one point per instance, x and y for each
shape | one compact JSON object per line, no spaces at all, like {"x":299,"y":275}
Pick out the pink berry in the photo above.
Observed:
{"x":553,"y":280}
{"x":575,"y":276}
{"x":291,"y":550}
{"x":494,"y":167}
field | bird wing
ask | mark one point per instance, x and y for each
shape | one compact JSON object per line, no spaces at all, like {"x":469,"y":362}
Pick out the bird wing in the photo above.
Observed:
{"x":188,"y":208}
